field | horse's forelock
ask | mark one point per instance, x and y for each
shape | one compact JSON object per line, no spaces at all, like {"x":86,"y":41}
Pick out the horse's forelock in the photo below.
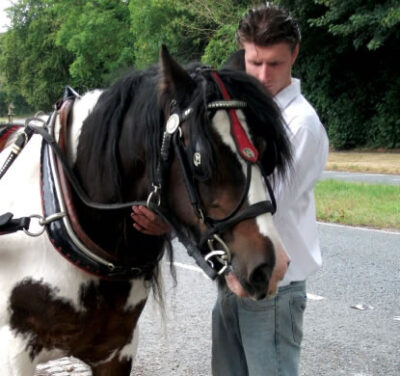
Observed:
{"x":263,"y":118}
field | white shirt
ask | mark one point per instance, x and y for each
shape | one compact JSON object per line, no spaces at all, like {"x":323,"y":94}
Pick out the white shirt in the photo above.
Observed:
{"x":295,"y":218}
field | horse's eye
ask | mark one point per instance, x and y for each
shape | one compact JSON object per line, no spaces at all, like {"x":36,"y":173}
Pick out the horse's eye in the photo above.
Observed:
{"x":261,"y":145}
{"x":214,"y":204}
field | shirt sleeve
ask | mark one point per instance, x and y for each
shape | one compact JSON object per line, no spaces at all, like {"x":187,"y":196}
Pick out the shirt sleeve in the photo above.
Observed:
{"x":309,"y":152}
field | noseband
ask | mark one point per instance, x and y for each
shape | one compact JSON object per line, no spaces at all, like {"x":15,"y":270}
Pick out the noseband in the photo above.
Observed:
{"x":218,"y":258}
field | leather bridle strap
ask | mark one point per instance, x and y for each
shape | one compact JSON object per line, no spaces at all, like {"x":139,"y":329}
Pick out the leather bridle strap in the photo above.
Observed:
{"x":8,"y":224}
{"x":243,"y":144}
{"x":250,"y":212}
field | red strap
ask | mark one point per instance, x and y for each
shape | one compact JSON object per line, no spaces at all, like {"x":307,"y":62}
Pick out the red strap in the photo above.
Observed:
{"x":6,"y":134}
{"x":243,"y":144}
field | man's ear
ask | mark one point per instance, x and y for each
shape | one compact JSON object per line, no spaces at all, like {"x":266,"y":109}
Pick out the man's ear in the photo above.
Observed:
{"x":295,"y":53}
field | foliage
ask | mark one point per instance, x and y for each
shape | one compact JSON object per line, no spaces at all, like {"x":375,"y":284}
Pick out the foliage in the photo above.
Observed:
{"x":348,"y":62}
{"x":29,"y":57}
{"x":169,"y":22}
{"x":349,"y":68}
{"x":192,"y":29}
{"x":96,"y":33}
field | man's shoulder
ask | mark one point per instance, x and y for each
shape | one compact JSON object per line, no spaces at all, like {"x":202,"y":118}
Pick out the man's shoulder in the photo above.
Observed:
{"x":301,"y":113}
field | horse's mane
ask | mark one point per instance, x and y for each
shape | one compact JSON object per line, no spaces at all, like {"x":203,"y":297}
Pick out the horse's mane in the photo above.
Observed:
{"x":138,"y":94}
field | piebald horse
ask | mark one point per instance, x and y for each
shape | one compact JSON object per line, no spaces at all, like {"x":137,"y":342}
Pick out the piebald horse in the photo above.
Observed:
{"x":195,"y":145}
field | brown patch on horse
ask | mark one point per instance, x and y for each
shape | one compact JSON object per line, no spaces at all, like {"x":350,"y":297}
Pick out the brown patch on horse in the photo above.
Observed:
{"x":91,"y":335}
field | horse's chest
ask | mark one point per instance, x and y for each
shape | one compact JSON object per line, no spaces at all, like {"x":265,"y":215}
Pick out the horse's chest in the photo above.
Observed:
{"x":103,"y":322}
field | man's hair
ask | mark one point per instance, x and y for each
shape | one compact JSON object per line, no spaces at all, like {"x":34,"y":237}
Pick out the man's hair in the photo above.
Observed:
{"x":266,"y":25}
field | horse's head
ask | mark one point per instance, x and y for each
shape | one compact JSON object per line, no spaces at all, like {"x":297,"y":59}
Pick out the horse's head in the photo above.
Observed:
{"x":223,"y":151}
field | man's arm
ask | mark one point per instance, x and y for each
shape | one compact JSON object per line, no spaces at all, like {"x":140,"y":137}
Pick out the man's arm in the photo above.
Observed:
{"x":310,"y":151}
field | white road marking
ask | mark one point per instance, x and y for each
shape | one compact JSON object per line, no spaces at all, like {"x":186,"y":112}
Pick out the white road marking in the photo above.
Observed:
{"x":314,"y":297}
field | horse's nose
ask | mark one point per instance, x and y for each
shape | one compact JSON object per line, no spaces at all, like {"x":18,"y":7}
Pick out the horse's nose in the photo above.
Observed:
{"x":259,"y":279}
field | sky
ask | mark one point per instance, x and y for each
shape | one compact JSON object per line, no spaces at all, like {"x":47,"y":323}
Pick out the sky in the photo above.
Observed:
{"x":3,"y":16}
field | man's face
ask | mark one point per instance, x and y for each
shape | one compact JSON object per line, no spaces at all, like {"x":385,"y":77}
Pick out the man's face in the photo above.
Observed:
{"x":272,"y":65}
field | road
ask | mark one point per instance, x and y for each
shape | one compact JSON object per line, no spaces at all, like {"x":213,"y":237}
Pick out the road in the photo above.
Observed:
{"x":352,"y":322}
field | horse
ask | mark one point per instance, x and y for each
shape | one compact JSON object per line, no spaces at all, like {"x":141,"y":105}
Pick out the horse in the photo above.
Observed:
{"x":196,"y":145}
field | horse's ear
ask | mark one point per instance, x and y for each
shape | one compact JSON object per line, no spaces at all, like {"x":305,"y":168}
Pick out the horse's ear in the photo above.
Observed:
{"x":174,"y":81}
{"x":236,"y":61}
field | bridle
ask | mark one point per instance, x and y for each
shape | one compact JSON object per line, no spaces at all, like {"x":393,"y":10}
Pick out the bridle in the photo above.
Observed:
{"x":218,"y":256}
{"x":215,"y":260}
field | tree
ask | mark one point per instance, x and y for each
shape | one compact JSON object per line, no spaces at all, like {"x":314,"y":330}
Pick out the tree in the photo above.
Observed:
{"x":31,"y":63}
{"x":349,"y":68}
{"x":192,"y":29}
{"x":97,"y":34}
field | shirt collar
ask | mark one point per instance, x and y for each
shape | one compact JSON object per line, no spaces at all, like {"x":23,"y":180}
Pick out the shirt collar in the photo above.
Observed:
{"x":286,"y":95}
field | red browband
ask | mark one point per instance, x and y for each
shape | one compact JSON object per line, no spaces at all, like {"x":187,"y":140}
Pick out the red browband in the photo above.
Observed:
{"x":243,"y":143}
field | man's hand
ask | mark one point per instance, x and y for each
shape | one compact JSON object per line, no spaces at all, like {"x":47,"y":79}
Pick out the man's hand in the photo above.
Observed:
{"x":148,"y":222}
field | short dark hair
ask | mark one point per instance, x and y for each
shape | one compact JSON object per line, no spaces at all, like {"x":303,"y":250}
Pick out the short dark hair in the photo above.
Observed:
{"x":266,"y":25}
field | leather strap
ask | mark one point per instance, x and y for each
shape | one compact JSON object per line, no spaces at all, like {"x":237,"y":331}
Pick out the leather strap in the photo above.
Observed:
{"x":9,"y":225}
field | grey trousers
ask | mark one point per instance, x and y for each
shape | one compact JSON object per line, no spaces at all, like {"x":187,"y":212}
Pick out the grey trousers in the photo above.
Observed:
{"x":258,"y":338}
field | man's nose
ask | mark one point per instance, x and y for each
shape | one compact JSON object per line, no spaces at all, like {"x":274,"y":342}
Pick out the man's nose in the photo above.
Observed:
{"x":263,"y":74}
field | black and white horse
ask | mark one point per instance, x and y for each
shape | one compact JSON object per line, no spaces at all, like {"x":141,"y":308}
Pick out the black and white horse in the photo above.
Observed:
{"x":198,"y":146}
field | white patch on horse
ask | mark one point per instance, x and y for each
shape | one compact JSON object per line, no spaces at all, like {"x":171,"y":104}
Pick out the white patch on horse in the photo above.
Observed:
{"x":139,"y":292}
{"x":13,"y":354}
{"x":82,"y":108}
{"x":257,"y":190}
{"x":130,"y":349}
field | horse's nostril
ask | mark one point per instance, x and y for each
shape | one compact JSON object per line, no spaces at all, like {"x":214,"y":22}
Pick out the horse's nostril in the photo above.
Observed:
{"x":260,"y":276}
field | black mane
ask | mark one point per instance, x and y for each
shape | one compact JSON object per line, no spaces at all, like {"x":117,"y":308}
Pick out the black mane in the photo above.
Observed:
{"x":130,"y":117}
{"x":138,"y":94}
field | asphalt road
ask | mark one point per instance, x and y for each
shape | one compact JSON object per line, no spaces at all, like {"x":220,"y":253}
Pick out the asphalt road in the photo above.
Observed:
{"x":352,"y":321}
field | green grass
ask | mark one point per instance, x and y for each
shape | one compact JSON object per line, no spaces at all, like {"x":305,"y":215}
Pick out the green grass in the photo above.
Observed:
{"x":358,"y":204}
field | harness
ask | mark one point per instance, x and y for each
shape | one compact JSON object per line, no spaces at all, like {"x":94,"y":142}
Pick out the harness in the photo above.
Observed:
{"x":218,"y":257}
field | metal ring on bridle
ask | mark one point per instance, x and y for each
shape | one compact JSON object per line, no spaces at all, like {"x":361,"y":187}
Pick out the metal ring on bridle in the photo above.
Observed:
{"x":34,"y":234}
{"x":223,"y":255}
{"x":43,"y":222}
{"x":218,"y":254}
{"x":154,"y":195}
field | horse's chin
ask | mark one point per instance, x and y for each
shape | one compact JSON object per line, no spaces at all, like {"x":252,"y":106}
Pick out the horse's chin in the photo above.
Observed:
{"x":236,"y":287}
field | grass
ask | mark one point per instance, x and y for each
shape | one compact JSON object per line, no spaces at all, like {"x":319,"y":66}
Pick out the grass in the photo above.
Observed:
{"x":373,"y":162}
{"x":358,"y":204}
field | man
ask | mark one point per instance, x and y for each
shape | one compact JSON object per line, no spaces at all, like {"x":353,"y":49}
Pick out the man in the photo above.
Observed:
{"x":263,"y":337}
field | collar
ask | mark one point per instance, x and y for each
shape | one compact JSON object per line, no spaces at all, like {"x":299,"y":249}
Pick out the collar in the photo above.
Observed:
{"x":288,"y":94}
